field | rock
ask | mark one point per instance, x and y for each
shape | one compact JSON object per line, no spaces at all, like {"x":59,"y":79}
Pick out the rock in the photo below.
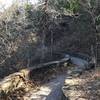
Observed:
{"x":82,"y":98}
{"x":77,"y":71}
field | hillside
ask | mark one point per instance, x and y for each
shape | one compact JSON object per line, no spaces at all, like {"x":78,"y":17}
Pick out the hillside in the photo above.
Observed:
{"x":34,"y":34}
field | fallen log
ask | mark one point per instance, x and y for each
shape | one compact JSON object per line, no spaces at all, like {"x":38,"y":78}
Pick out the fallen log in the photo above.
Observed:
{"x":21,"y":78}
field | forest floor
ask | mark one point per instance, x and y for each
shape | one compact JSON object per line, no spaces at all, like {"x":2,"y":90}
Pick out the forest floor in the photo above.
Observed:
{"x":47,"y":85}
{"x":84,"y":87}
{"x":43,"y":82}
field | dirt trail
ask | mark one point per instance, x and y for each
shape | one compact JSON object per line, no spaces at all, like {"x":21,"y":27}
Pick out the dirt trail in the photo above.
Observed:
{"x":48,"y":91}
{"x":52,"y":89}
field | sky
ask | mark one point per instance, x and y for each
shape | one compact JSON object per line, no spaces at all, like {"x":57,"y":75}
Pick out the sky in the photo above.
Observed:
{"x":7,"y":3}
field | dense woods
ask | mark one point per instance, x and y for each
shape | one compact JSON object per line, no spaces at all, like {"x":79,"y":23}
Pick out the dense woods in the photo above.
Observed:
{"x":31,"y":34}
